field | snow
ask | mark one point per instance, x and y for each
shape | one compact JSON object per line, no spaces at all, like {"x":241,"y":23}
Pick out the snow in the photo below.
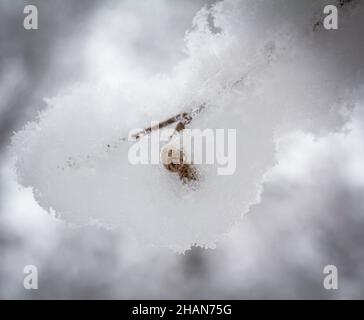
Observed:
{"x":260,"y":74}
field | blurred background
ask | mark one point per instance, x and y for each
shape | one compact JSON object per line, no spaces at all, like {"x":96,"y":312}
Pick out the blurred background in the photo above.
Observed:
{"x":311,"y":212}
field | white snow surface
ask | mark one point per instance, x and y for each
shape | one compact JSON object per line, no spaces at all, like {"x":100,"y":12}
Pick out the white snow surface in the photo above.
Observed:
{"x":259,"y":67}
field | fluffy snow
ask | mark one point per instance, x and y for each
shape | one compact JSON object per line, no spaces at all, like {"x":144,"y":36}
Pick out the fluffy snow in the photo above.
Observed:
{"x":260,"y":68}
